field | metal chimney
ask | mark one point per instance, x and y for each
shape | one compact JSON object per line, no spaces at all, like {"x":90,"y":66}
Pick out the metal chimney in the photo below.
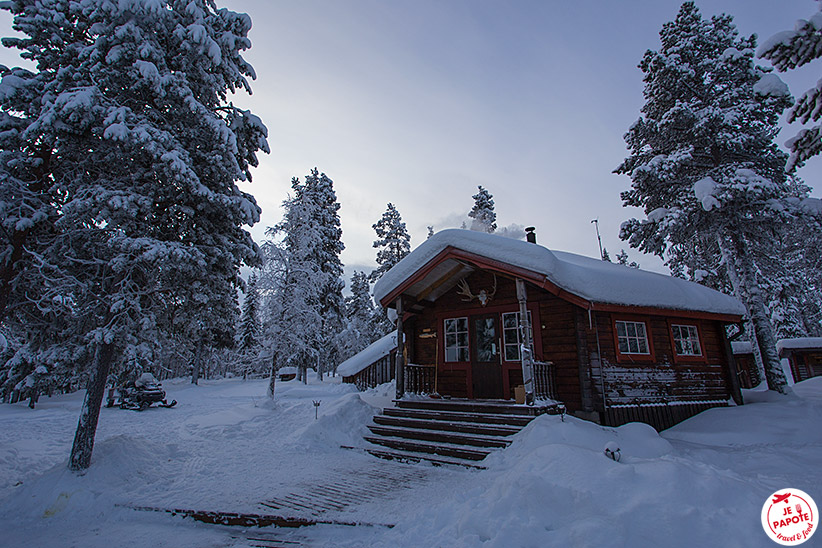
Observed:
{"x":530,"y":235}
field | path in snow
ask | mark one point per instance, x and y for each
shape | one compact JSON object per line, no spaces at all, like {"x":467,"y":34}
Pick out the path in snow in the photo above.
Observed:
{"x":377,"y":481}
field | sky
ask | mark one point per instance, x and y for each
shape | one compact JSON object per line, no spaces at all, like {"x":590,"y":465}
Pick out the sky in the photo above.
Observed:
{"x":419,"y":102}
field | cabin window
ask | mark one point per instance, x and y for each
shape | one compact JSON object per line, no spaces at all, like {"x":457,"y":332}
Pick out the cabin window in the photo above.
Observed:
{"x":686,"y":340}
{"x":456,"y":340}
{"x":510,"y":335}
{"x":632,"y":338}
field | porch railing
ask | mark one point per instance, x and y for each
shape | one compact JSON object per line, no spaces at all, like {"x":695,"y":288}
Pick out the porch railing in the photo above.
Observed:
{"x":420,"y":379}
{"x":379,"y":372}
{"x":545,"y":381}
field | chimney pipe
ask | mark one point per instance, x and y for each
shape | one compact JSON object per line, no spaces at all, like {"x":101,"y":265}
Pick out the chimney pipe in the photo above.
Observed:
{"x":530,"y":235}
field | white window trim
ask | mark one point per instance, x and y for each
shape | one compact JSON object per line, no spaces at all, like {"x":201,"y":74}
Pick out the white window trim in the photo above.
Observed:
{"x":507,"y":344}
{"x":637,"y":338}
{"x":445,"y":346}
{"x":691,"y":341}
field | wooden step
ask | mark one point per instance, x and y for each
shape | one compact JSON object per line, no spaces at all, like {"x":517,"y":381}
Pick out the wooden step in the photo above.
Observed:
{"x":403,"y":456}
{"x":449,"y":426}
{"x":438,"y":436}
{"x":444,"y":450}
{"x":496,"y":407}
{"x":455,"y":416}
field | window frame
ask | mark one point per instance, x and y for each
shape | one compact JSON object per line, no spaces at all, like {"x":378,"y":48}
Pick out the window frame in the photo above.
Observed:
{"x":518,"y":344}
{"x":457,"y":332}
{"x":628,"y":357}
{"x":687,"y":358}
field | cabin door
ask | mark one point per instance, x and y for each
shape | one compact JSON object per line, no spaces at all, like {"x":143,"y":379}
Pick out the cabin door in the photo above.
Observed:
{"x":486,"y":371}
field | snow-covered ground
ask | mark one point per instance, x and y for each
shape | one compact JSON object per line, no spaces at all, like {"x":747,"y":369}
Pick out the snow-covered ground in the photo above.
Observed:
{"x":227,"y":447}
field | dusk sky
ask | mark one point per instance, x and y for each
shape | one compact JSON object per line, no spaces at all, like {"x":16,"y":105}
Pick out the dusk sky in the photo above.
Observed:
{"x":418,"y":102}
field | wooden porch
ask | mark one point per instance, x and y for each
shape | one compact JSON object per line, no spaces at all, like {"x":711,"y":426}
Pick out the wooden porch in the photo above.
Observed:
{"x":422,"y":379}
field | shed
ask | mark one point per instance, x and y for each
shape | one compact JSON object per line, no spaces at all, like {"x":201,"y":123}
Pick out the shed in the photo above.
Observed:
{"x":371,"y":366}
{"x":804,"y":355}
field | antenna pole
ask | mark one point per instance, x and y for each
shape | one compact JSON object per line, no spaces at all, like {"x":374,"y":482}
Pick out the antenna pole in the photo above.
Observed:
{"x":596,"y":224}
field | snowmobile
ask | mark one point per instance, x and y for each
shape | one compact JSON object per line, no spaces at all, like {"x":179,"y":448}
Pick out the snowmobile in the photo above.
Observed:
{"x":140,"y":394}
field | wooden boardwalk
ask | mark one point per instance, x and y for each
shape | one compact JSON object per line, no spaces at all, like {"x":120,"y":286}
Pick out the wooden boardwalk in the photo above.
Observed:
{"x":346,"y":490}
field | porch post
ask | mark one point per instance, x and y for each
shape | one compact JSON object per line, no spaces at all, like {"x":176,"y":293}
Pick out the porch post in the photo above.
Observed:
{"x":525,"y":350}
{"x":400,"y":368}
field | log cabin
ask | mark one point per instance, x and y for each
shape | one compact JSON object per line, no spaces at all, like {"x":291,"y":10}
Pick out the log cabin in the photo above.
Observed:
{"x":804,"y":355}
{"x":486,"y":317}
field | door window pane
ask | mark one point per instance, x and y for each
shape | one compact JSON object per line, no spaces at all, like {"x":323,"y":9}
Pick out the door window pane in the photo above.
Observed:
{"x":510,"y":336}
{"x":456,"y":340}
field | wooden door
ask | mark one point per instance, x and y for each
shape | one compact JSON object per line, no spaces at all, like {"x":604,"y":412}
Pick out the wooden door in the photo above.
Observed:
{"x":486,"y":371}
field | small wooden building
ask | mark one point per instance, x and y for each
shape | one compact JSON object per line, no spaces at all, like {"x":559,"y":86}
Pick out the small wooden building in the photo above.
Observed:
{"x":746,"y":368}
{"x":372,"y":366}
{"x":613,"y":343}
{"x":804,"y":355}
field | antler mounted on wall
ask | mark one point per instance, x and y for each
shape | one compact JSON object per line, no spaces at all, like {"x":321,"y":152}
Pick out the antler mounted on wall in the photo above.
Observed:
{"x":484,"y":296}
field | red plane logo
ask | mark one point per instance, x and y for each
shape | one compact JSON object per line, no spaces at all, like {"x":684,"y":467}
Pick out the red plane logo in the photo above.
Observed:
{"x":781,"y":498}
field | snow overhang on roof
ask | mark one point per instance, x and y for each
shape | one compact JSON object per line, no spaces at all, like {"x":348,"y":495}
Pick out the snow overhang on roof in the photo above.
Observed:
{"x":801,"y":343}
{"x":370,"y":354}
{"x":741,"y":347}
{"x":441,"y":261}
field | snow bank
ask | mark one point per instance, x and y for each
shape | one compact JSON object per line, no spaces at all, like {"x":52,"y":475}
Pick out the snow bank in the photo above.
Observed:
{"x":340,"y":422}
{"x":592,"y":279}
{"x":701,"y":483}
{"x":555,"y":487}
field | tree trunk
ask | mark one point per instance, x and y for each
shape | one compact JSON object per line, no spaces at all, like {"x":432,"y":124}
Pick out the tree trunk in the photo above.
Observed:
{"x":272,"y":378}
{"x":741,"y":269}
{"x":195,"y":372}
{"x":87,"y":427}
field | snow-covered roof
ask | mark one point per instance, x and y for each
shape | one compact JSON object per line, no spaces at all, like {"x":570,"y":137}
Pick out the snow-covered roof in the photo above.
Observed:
{"x":368,"y":355}
{"x":741,"y":347}
{"x":798,"y":344}
{"x":593,"y":280}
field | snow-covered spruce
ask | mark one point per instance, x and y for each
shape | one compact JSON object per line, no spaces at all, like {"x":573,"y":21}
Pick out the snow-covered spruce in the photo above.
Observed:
{"x":128,"y":157}
{"x":302,"y":281}
{"x":393,"y":241}
{"x":704,"y":165}
{"x":483,"y":216}
{"x":788,"y":50}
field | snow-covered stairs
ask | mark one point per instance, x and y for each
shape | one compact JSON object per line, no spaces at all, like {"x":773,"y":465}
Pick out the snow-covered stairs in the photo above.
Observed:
{"x":452,"y":431}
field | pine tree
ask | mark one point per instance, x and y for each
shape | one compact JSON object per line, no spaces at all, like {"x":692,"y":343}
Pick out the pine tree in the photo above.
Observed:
{"x":704,"y":166}
{"x":129,"y":157}
{"x":483,"y":215}
{"x":317,"y":192}
{"x":304,"y":278}
{"x":622,"y":258}
{"x":606,"y":256}
{"x":250,"y":327}
{"x":393,"y":242}
{"x":788,"y":50}
{"x":361,"y":328}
